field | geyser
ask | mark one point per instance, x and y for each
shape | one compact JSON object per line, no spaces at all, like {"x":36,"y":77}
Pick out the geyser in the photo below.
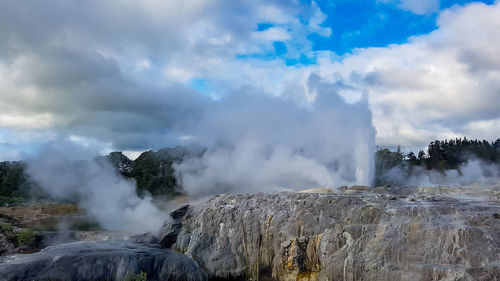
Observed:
{"x":263,"y":143}
{"x":254,"y":142}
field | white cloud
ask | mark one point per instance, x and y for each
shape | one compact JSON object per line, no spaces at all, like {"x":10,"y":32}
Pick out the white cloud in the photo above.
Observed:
{"x":117,"y":75}
{"x":271,"y":14}
{"x":316,"y":21}
{"x":131,"y":154}
{"x":426,"y":89}
{"x":483,"y":129}
{"x":117,"y":71}
{"x":272,"y":34}
{"x":37,"y":121}
{"x":430,"y":87}
{"x":420,"y":7}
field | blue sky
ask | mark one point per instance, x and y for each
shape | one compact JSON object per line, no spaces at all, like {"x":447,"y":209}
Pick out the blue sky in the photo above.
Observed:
{"x":133,"y":75}
{"x":354,"y":25}
{"x":362,"y":24}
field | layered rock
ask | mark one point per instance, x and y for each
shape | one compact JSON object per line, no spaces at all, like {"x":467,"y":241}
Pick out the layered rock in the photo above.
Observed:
{"x":358,"y":234}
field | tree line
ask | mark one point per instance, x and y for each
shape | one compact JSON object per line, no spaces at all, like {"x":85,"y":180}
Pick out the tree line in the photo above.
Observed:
{"x":152,"y":171}
{"x":441,"y":155}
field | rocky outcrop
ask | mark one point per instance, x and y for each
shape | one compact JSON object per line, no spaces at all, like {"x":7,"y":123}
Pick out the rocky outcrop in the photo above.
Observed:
{"x":100,"y":261}
{"x":171,"y":229}
{"x":355,"y":234}
{"x":6,"y":246}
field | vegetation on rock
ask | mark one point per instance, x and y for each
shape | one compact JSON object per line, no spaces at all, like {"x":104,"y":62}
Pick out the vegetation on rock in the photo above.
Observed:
{"x":7,"y":228}
{"x":26,"y":238}
{"x":137,"y":277}
{"x":13,"y":182}
{"x":152,"y":171}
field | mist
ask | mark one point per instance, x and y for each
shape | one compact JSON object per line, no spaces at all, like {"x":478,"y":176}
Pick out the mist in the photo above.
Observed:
{"x":252,"y":143}
{"x":260,"y":143}
{"x":70,"y":172}
{"x":474,"y":171}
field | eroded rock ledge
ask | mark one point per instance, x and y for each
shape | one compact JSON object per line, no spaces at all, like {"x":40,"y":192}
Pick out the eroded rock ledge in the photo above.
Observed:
{"x":81,"y":261}
{"x":358,"y":234}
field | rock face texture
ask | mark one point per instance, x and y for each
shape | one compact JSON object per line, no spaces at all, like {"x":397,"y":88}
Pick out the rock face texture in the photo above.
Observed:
{"x":170,"y":230}
{"x":6,"y":246}
{"x":100,"y":261}
{"x":356,"y":234}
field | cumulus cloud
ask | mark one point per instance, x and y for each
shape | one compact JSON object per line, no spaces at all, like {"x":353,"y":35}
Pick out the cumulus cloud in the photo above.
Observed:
{"x":434,"y":85}
{"x":120,"y":72}
{"x":272,"y":34}
{"x":317,"y":20}
{"x":419,"y":7}
{"x":488,"y":129}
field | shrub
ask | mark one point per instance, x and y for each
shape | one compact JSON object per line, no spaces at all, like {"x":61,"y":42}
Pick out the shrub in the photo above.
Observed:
{"x":11,"y":201}
{"x":7,"y":228}
{"x":85,"y":225}
{"x":137,"y":277}
{"x":26,"y":238}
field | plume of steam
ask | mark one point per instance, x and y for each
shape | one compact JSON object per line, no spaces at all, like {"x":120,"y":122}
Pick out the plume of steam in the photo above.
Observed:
{"x":254,"y":143}
{"x":261,"y":143}
{"x":471,"y":172}
{"x":97,"y":187}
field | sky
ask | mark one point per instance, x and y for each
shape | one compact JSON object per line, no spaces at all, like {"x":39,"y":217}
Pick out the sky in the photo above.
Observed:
{"x":129,"y":75}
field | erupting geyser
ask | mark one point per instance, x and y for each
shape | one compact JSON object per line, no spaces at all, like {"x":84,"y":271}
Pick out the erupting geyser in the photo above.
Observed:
{"x":261,"y":143}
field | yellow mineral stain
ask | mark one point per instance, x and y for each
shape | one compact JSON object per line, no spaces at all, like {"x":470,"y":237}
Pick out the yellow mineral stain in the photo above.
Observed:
{"x":291,"y":254}
{"x":318,"y":240}
{"x":269,"y":221}
{"x":380,"y":233}
{"x":307,"y":276}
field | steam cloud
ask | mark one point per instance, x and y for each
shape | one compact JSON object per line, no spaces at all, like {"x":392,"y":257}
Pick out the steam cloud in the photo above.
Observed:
{"x":260,"y":143}
{"x":473,"y":171}
{"x":254,"y":143}
{"x":106,"y":196}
